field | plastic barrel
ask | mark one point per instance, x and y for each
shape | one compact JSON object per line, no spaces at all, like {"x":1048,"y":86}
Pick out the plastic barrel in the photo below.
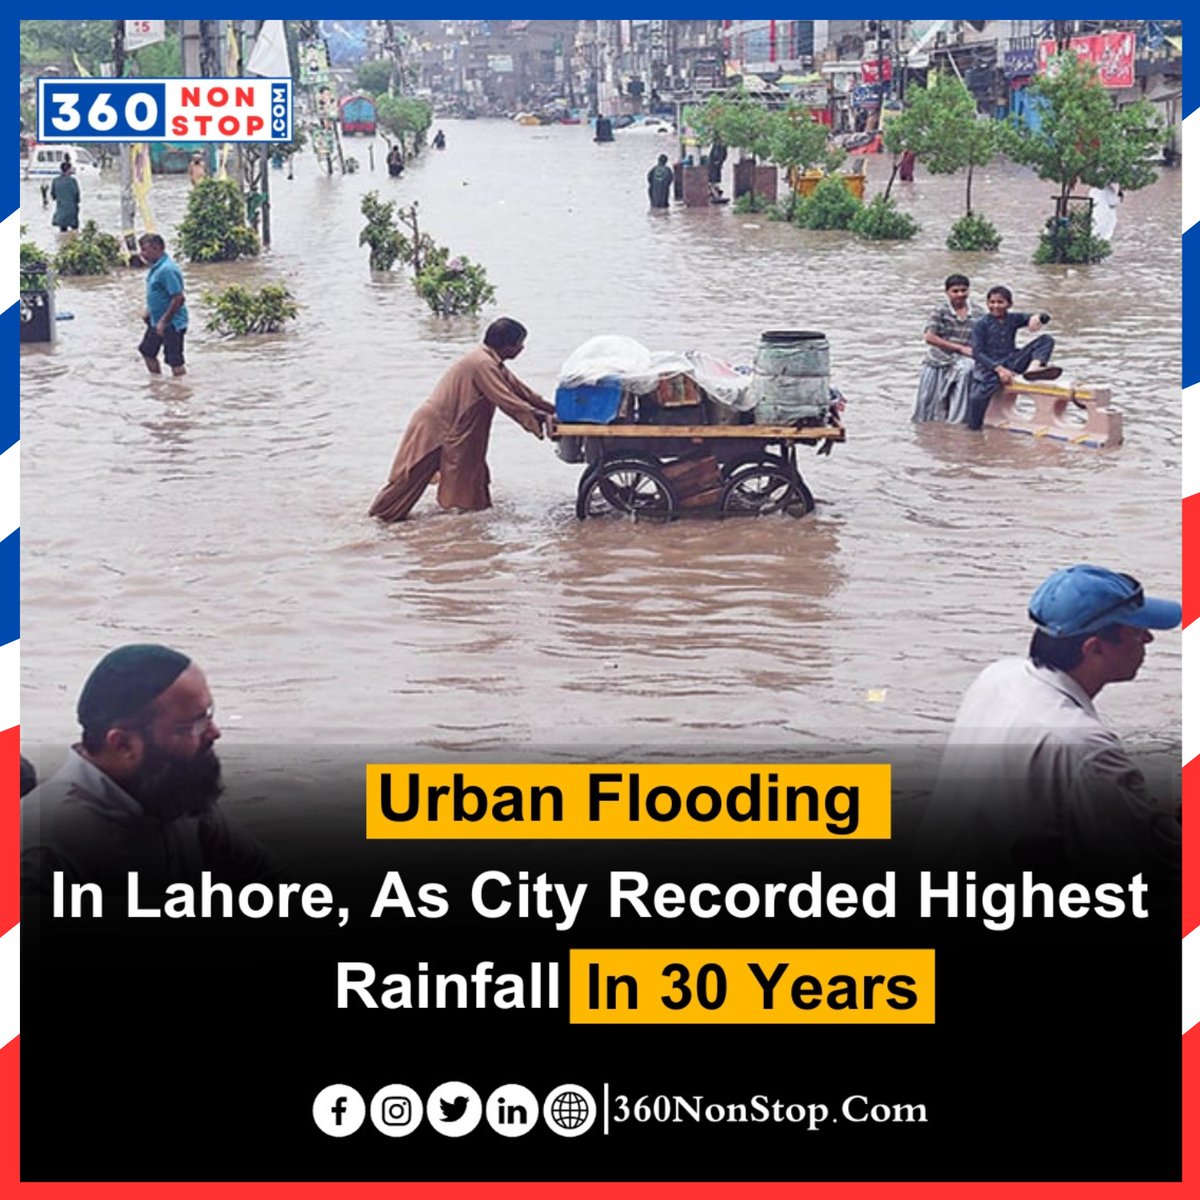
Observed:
{"x":791,"y":377}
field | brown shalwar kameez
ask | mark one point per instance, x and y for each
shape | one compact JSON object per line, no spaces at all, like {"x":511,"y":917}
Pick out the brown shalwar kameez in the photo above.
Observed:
{"x":449,"y":433}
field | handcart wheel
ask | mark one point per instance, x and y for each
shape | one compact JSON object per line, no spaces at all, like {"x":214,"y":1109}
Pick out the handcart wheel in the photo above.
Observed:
{"x":632,"y":487}
{"x":760,"y":488}
{"x":734,"y":466}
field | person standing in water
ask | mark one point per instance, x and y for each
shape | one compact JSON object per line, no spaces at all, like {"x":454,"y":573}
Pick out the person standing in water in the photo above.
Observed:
{"x":946,"y":375}
{"x":448,"y":435}
{"x":659,"y":178}
{"x":64,"y":191}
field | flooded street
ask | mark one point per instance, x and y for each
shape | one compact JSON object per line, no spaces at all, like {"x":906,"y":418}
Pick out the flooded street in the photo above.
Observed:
{"x":225,"y":513}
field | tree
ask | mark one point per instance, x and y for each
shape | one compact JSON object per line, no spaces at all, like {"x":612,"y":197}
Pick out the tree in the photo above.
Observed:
{"x":403,"y":115}
{"x":1080,"y":136}
{"x":734,"y":121}
{"x":796,"y":142}
{"x":63,"y":42}
{"x":375,"y":77}
{"x":942,"y":127}
{"x":903,"y":132}
{"x":160,"y":60}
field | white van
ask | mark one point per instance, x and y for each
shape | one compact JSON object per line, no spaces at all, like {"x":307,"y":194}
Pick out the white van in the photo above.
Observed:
{"x":45,"y":161}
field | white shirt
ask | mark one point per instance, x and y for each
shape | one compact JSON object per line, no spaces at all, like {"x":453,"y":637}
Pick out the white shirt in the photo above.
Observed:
{"x":1104,"y":210}
{"x":1030,"y":770}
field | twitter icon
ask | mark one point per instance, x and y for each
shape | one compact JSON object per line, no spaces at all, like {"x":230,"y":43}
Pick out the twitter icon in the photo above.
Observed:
{"x":454,"y":1109}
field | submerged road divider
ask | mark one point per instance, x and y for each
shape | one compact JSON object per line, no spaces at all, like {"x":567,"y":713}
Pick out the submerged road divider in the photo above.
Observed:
{"x":1066,"y":414}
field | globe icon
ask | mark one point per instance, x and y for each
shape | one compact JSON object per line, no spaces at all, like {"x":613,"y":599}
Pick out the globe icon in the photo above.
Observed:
{"x":570,"y":1110}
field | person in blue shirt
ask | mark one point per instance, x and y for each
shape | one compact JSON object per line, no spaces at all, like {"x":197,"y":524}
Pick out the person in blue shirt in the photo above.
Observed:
{"x":997,"y":361}
{"x":166,"y":313}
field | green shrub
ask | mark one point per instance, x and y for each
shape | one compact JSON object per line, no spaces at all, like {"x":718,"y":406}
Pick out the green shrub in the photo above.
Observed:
{"x":973,"y":233}
{"x":448,"y":285}
{"x":1070,"y":241}
{"x":831,"y":206}
{"x":90,"y":253}
{"x":380,"y":233}
{"x":215,"y":228}
{"x":882,"y":221}
{"x":751,"y":202}
{"x":454,"y":285}
{"x":32,"y":255}
{"x":239,"y":310}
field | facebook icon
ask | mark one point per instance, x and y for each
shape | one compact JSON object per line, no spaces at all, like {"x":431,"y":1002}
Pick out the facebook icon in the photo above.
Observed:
{"x":338,"y":1110}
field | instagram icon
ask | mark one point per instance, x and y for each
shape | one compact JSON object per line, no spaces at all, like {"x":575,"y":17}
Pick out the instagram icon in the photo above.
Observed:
{"x":396,"y":1110}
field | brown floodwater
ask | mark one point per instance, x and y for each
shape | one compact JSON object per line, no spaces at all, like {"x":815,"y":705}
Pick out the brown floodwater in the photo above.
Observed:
{"x":225,"y":513}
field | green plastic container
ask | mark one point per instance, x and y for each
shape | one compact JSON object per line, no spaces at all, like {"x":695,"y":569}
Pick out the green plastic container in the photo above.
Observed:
{"x":791,"y":377}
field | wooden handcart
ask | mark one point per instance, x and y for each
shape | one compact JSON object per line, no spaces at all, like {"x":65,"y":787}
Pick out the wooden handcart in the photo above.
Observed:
{"x":654,"y":472}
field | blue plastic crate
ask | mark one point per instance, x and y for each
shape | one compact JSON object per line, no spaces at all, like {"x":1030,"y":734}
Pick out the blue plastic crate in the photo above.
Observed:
{"x":590,"y":403}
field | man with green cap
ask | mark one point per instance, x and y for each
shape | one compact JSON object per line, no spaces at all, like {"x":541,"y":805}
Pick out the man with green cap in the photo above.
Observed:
{"x":139,"y":791}
{"x":1032,"y":775}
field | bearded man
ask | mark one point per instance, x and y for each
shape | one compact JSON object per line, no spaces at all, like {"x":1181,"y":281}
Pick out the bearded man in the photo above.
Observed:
{"x":139,"y":791}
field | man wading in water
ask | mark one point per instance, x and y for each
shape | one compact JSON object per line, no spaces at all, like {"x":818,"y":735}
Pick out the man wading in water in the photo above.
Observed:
{"x":449,"y":432}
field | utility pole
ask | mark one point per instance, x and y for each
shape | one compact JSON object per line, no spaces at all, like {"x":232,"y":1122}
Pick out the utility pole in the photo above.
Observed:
{"x":879,"y":50}
{"x":390,"y":47}
{"x":256,"y":160}
{"x":594,"y":65}
{"x":128,"y":211}
{"x":396,"y":41}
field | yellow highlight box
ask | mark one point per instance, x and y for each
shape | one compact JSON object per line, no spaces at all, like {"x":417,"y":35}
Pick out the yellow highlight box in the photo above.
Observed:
{"x":621,"y":800}
{"x":752,"y":987}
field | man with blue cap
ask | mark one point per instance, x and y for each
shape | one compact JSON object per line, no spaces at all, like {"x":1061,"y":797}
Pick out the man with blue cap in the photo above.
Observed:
{"x":1032,"y":774}
{"x":139,"y":791}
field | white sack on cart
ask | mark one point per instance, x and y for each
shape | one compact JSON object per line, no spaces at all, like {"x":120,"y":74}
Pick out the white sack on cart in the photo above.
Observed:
{"x":638,"y":369}
{"x":613,"y":356}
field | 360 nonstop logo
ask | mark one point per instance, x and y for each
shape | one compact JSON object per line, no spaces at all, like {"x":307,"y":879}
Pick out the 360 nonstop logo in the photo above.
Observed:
{"x":164,"y":110}
{"x":454,"y":1109}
